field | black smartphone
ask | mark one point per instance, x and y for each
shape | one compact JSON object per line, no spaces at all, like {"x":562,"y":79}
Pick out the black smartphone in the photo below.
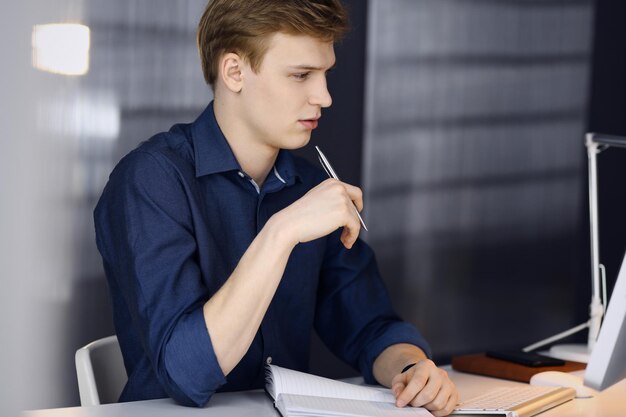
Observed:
{"x":525,"y":358}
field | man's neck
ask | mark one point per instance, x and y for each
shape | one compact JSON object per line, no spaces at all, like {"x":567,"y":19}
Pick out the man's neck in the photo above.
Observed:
{"x":255,"y":159}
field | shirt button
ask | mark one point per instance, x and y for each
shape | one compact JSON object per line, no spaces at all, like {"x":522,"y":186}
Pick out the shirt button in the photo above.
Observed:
{"x":241,"y":174}
{"x":268,"y":360}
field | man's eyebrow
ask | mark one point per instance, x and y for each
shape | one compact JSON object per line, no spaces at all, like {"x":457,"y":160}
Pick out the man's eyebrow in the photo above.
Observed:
{"x":310,"y":67}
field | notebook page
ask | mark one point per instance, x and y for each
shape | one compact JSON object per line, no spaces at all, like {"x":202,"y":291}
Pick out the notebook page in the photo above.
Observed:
{"x":304,"y":405}
{"x":287,"y":381}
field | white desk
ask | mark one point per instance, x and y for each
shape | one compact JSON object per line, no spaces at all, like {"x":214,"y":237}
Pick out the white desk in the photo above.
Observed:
{"x":609,"y":403}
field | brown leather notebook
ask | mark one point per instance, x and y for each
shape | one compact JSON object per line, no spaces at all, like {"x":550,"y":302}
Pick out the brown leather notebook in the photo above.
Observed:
{"x":498,"y":368}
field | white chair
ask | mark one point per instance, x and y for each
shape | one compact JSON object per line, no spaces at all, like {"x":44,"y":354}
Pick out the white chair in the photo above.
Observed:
{"x":100,"y":370}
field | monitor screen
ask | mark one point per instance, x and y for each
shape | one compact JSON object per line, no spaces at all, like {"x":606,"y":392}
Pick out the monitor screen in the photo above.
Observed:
{"x":607,"y":363}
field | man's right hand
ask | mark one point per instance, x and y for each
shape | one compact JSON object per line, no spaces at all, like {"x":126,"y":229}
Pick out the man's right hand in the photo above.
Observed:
{"x":323,"y":210}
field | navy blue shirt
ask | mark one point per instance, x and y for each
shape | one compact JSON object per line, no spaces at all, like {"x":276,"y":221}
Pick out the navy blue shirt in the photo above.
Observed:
{"x":173,"y":221}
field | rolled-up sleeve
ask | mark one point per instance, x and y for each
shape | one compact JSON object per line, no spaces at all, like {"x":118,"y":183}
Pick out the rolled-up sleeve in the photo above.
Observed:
{"x":144,"y":231}
{"x":354,"y":316}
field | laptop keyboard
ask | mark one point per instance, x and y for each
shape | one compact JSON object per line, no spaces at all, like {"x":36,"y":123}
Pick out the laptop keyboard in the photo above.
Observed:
{"x":503,"y":399}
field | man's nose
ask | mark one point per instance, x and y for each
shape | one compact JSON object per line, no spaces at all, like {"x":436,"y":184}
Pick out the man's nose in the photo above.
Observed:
{"x":320,"y":96}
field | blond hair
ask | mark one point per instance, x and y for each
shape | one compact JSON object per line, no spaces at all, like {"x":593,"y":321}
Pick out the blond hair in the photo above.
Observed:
{"x":244,"y":26}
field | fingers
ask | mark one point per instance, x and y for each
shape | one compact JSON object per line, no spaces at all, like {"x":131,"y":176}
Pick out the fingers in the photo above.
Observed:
{"x":398,"y":384}
{"x":351,"y":229}
{"x":398,"y":379}
{"x":321,"y":211}
{"x":355,"y":194}
{"x":450,"y":406}
{"x":426,"y":386}
{"x":440,"y":400}
{"x":350,"y":221}
{"x":431,"y":390}
{"x":417,"y":380}
{"x":429,"y":394}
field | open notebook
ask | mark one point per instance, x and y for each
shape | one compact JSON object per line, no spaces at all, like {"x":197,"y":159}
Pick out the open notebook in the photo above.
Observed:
{"x":300,"y":394}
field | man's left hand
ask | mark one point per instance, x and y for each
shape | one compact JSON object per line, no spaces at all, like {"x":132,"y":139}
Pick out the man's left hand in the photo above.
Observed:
{"x":425,"y":385}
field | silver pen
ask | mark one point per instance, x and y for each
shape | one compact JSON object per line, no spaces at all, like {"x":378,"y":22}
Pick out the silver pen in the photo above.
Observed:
{"x":331,"y":173}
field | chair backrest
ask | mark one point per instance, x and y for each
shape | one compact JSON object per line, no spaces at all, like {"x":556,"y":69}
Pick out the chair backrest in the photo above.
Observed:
{"x":101,"y":372}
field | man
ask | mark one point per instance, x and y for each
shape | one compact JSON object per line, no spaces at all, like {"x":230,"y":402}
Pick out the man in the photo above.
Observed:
{"x":223,"y":251}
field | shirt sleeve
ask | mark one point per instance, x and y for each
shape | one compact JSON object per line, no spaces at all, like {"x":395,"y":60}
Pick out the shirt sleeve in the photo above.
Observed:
{"x":145,"y":234}
{"x":354,"y":316}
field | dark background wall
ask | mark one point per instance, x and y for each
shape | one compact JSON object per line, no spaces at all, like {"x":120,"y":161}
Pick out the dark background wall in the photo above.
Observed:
{"x":474,"y":165}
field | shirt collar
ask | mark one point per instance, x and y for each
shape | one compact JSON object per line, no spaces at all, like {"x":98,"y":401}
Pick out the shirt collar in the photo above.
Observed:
{"x":213,"y":153}
{"x":211,"y":150}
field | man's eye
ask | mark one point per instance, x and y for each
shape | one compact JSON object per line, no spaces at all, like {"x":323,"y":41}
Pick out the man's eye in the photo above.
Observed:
{"x":302,"y":75}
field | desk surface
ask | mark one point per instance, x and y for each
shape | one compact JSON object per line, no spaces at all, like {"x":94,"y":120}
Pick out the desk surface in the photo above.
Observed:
{"x":609,"y":403}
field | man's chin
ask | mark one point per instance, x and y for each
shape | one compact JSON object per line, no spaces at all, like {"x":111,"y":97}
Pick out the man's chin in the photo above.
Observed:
{"x":296,"y":143}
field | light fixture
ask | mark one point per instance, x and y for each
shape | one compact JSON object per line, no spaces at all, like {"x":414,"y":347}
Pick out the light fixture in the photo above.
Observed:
{"x":595,"y":144}
{"x":61,"y":48}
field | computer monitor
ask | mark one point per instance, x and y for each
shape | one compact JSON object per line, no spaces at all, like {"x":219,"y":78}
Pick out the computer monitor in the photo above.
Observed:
{"x":607,"y":363}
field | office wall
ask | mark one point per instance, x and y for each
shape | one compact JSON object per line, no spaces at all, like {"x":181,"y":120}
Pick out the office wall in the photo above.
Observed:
{"x":12,"y":226}
{"x":474,"y":165}
{"x":36,"y":214}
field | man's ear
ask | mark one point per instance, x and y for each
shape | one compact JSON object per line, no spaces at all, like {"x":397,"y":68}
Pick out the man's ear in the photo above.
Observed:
{"x":231,"y":71}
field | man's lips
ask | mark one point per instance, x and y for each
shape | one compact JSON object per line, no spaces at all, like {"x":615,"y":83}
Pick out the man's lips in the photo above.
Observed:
{"x":309,"y":123}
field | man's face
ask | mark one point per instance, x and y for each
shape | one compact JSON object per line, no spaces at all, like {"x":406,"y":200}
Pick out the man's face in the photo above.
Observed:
{"x":284,"y":99}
